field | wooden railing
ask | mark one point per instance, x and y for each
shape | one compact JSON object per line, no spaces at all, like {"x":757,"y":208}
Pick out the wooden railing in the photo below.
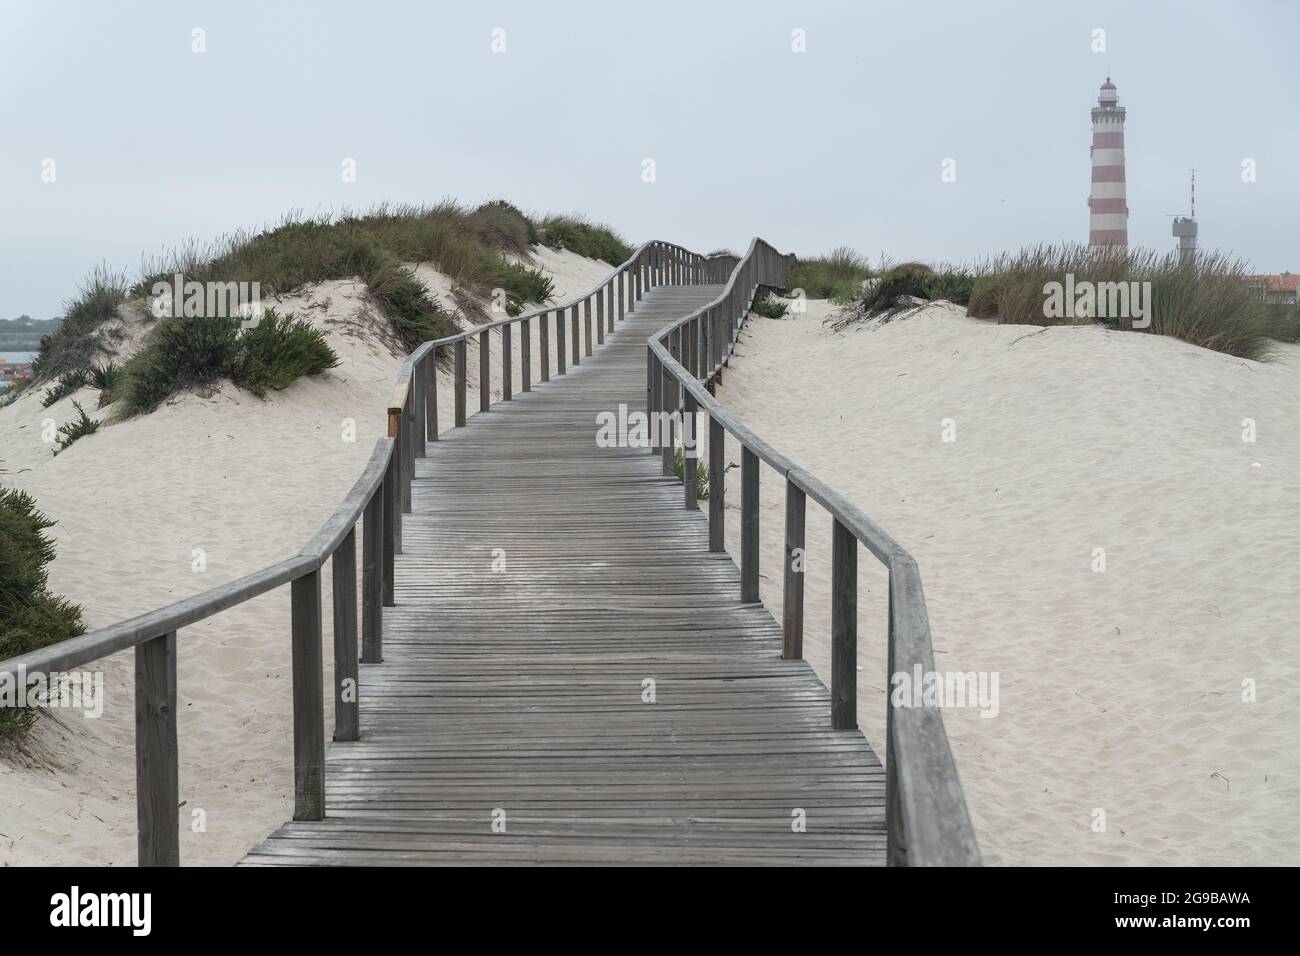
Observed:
{"x":378,"y":499}
{"x":926,"y":818}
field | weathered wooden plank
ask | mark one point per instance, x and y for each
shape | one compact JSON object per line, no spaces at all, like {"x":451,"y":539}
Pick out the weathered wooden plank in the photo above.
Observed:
{"x":157,"y":772}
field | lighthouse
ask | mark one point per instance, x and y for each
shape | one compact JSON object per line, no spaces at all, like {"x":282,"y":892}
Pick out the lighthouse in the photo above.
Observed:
{"x":1107,"y":204}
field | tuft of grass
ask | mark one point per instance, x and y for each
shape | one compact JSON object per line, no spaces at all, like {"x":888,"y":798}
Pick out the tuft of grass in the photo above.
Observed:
{"x":105,"y":377}
{"x":521,"y":285}
{"x":500,"y":225}
{"x":80,"y":427}
{"x":184,"y":353}
{"x":586,"y":238}
{"x":769,"y":308}
{"x":837,"y":276}
{"x":1203,"y":301}
{"x":31,"y":617}
{"x":701,"y":473}
{"x":893,"y":290}
{"x":76,"y":342}
{"x":67,"y":383}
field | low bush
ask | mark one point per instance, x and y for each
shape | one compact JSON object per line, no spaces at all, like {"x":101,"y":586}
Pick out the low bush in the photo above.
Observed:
{"x":68,"y":383}
{"x":77,"y":342}
{"x":769,"y":307}
{"x":79,"y":427}
{"x":586,"y":238}
{"x":31,"y":617}
{"x":837,"y":276}
{"x":105,"y":377}
{"x":184,"y":353}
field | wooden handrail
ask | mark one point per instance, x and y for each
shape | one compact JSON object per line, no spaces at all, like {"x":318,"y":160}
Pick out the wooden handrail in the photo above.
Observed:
{"x":379,"y":498}
{"x":927,"y":822}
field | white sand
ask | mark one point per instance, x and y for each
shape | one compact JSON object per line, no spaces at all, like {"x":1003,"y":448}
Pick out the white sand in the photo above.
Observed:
{"x":248,"y":481}
{"x":1120,"y":691}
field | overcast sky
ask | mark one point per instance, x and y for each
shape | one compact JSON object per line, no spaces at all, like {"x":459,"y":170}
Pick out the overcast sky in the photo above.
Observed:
{"x":842,"y":144}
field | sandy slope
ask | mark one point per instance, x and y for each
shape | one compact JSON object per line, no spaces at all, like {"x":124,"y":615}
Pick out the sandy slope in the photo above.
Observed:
{"x":248,"y":482}
{"x":1121,"y":690}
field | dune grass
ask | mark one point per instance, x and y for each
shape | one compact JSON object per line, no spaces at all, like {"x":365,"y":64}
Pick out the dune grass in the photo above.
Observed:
{"x":77,"y":340}
{"x":837,"y":276}
{"x":769,"y":307}
{"x":1204,"y":302}
{"x":31,"y":617}
{"x":67,"y":383}
{"x":79,"y":427}
{"x":183,"y":353}
{"x":586,"y":238}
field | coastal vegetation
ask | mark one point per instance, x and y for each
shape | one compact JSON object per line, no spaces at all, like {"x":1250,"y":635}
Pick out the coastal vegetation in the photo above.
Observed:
{"x":31,"y":617}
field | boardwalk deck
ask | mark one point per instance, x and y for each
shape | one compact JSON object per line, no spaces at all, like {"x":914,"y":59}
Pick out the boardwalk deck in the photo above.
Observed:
{"x":522,"y":690}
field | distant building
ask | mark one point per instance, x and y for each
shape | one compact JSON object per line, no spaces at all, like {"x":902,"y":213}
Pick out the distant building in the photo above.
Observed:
{"x":1281,"y":289}
{"x":1107,"y":204}
{"x":11,"y":372}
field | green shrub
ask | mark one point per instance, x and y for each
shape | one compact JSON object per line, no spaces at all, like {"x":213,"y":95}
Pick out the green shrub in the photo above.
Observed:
{"x":1204,"y":301}
{"x":30,"y":616}
{"x":522,"y":285}
{"x":68,"y":383}
{"x":74,"y":344}
{"x":500,"y":225}
{"x":701,"y":472}
{"x":276,"y":352}
{"x":769,"y":307}
{"x":78,"y":428}
{"x":578,"y":234}
{"x":1282,"y":322}
{"x":105,"y":377}
{"x":184,"y":353}
{"x":837,"y":276}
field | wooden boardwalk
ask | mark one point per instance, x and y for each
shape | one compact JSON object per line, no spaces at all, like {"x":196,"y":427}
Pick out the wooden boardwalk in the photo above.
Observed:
{"x":515,"y":696}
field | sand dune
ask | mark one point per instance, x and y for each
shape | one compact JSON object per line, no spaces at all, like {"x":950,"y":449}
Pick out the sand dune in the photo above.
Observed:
{"x":1120,"y":690}
{"x":246,"y":481}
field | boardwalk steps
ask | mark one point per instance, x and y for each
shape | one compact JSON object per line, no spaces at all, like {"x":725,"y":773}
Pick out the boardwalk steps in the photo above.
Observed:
{"x":517,"y":696}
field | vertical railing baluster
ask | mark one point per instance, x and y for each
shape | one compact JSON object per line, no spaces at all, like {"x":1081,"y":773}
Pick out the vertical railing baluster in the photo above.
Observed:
{"x":462,"y":384}
{"x":690,"y":451}
{"x":561,"y":368}
{"x":575,"y":336}
{"x":157,"y":767}
{"x":544,"y":343}
{"x":507,"y":369}
{"x":586,"y":325}
{"x":600,"y":316}
{"x":526,"y":354}
{"x":431,"y":395}
{"x":796,"y":504}
{"x":409,"y":433}
{"x":748,"y":526}
{"x":717,"y":484}
{"x":373,"y":586}
{"x":392,"y":515}
{"x":308,"y":699}
{"x":417,"y":410}
{"x":484,"y":371}
{"x":668,"y":405}
{"x":844,"y":628}
{"x":343,"y":585}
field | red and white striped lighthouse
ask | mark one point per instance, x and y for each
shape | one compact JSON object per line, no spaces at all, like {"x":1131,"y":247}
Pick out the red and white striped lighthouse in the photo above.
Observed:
{"x":1107,"y":204}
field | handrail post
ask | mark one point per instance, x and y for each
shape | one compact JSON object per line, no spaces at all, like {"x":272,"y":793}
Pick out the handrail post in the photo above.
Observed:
{"x":560,"y":360}
{"x":418,"y":408}
{"x":586,"y":324}
{"x":600,"y":316}
{"x":690,"y":452}
{"x":507,"y":370}
{"x":431,"y":395}
{"x":393,"y":506}
{"x":409,"y":437}
{"x":717,"y":484}
{"x":484,"y":371}
{"x":392,"y":536}
{"x":622,"y":309}
{"x":343,"y":585}
{"x":654,"y":382}
{"x":668,"y":401}
{"x":372,"y":579}
{"x":461,"y":383}
{"x":526,"y":355}
{"x":544,"y":344}
{"x":749,"y":526}
{"x":157,"y":774}
{"x":308,"y":700}
{"x":895,"y":831}
{"x":844,"y":628}
{"x":575,"y":337}
{"x":792,"y":611}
